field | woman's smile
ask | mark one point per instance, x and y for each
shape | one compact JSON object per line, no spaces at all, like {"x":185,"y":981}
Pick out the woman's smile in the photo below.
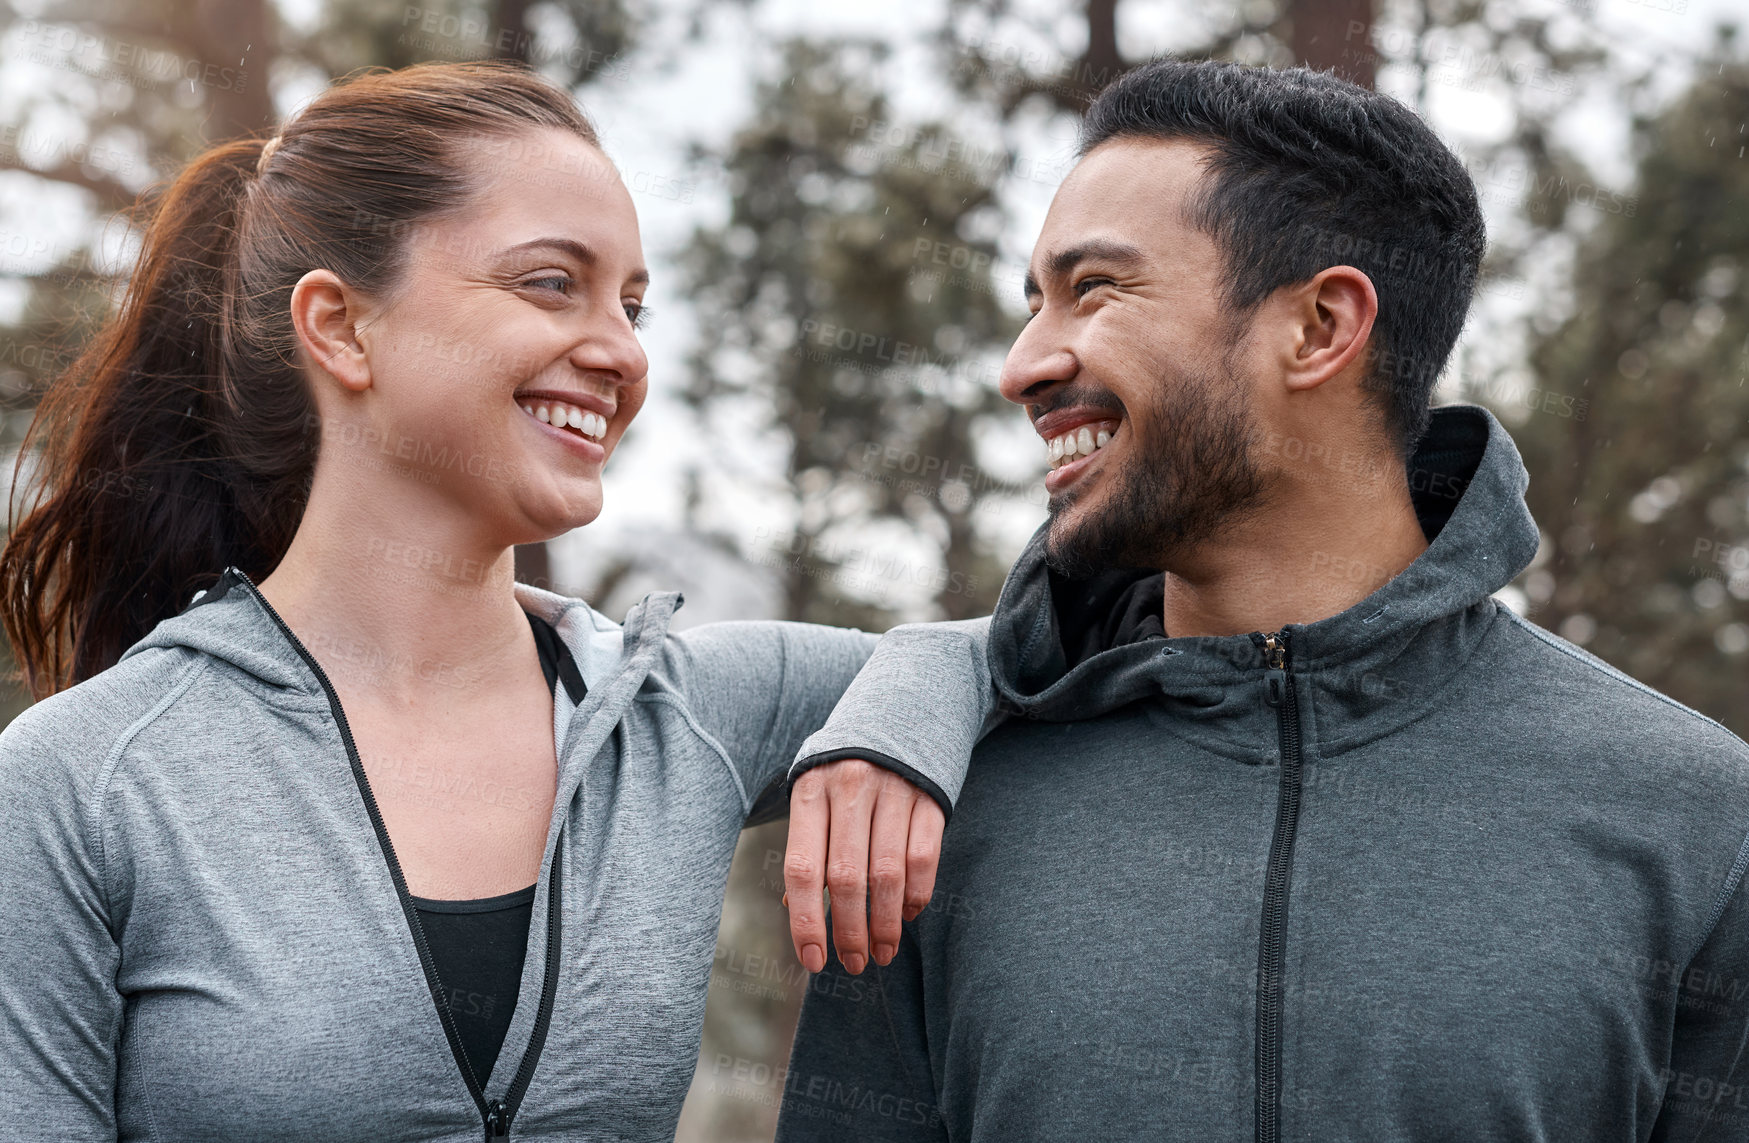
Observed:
{"x":579,"y":420}
{"x":572,"y":439}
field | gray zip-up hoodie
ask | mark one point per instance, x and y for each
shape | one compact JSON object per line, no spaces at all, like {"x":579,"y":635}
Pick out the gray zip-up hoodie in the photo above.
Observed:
{"x":1426,"y":872}
{"x":206,"y":936}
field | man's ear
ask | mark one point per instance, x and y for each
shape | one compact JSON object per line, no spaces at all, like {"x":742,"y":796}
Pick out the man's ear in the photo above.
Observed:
{"x":1331,"y":318}
{"x":326,"y":315}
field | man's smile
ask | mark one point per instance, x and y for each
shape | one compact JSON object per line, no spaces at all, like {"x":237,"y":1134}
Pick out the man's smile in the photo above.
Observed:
{"x":1073,"y":435}
{"x":1076,"y":450}
{"x":1079,"y":441}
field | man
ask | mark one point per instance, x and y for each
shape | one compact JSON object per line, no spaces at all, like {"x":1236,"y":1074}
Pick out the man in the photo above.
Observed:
{"x":1299,"y":834}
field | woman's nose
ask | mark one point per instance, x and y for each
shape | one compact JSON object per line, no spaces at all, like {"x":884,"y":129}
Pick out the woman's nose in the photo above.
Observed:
{"x":613,"y":350}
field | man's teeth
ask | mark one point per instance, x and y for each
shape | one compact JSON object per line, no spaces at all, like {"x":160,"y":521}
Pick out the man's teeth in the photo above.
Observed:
{"x":591,"y":425}
{"x":1084,"y":441}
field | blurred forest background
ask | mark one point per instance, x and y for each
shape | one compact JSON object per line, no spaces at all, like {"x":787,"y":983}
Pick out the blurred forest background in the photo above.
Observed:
{"x":838,"y":202}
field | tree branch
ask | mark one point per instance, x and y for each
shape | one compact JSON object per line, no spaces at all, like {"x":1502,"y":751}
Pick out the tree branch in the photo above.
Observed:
{"x":112,"y":195}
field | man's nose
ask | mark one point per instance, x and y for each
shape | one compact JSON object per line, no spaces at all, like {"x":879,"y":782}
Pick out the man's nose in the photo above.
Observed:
{"x":1037,"y":360}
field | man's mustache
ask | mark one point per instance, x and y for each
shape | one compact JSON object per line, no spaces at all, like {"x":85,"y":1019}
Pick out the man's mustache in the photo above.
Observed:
{"x":1077,"y":396}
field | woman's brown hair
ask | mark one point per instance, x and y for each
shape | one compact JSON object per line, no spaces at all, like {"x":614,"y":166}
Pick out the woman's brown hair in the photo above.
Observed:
{"x":183,"y":439}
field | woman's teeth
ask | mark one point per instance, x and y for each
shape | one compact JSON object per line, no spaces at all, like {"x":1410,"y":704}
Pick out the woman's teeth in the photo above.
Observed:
{"x":1084,"y":441}
{"x":561,"y":415}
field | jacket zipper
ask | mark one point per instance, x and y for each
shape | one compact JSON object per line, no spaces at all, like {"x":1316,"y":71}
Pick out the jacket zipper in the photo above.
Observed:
{"x":496,"y":1114}
{"x":1272,"y":942}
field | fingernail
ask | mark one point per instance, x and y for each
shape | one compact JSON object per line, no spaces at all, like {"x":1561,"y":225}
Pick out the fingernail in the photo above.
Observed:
{"x":853,"y":963}
{"x":813,"y":958}
{"x":883,"y":953}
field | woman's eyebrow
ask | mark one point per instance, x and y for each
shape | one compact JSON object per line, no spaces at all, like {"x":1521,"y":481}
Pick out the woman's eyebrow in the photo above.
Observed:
{"x":578,"y":251}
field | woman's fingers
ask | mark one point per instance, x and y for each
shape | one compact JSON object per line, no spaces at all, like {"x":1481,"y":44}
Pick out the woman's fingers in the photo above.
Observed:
{"x":804,"y":868}
{"x":853,"y":786}
{"x":887,"y":873}
{"x":922,"y":853}
{"x":873,"y":841}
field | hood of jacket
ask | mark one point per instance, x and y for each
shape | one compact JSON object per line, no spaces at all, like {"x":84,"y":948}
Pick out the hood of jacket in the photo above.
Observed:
{"x":1359,"y":674}
{"x":230,"y":623}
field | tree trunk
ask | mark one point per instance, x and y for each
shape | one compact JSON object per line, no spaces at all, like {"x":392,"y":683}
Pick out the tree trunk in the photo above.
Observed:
{"x":534,"y":566}
{"x":1103,"y":61}
{"x":511,"y":39}
{"x":232,"y":43}
{"x":1334,"y":35}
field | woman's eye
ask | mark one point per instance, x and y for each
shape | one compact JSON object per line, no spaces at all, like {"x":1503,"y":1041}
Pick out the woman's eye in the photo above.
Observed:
{"x":638,"y":314}
{"x":563,"y":287}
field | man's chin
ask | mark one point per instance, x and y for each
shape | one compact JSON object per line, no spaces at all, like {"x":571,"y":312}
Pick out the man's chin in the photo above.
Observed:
{"x":1070,"y":548}
{"x":1084,"y":540}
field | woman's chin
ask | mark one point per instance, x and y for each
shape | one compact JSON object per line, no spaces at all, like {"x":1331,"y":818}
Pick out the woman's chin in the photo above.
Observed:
{"x":576,"y":513}
{"x":536,"y":510}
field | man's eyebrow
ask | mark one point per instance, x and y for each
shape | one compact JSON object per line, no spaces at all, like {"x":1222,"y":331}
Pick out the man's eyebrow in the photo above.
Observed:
{"x":1060,"y":263}
{"x":578,"y":251}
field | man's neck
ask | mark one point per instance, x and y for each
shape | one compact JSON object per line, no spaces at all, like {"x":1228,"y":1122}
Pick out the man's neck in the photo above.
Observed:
{"x":1314,"y":553}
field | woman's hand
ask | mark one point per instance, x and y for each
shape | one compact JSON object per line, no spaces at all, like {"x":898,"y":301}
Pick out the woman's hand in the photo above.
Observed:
{"x":853,"y":825}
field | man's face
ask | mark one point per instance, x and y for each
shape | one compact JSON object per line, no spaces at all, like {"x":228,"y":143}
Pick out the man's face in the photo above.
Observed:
{"x":1129,"y":345}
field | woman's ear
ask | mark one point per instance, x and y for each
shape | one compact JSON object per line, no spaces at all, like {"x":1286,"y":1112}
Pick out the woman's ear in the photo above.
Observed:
{"x":326,"y":315}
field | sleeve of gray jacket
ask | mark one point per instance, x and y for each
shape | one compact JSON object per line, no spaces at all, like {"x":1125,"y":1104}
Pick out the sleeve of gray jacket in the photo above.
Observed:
{"x":759,"y":687}
{"x":919,"y":706}
{"x":860,"y":1067}
{"x":60,"y":1013}
{"x":1706,"y":1085}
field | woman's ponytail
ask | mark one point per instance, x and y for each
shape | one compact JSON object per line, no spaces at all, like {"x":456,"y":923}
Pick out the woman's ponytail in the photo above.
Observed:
{"x":133,"y":507}
{"x":184,"y":439}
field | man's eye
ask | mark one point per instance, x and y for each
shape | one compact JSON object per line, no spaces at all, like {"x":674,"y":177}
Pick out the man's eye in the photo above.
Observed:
{"x":1086,"y":284}
{"x":638,"y":313}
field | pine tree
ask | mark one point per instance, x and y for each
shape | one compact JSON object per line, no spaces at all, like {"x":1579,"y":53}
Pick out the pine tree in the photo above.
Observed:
{"x":1635,"y":428}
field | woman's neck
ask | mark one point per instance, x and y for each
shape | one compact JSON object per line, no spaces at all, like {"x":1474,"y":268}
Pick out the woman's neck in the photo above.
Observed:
{"x":395,"y":601}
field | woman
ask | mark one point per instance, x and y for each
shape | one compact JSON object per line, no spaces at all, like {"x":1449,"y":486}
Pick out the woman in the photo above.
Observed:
{"x":270,"y":868}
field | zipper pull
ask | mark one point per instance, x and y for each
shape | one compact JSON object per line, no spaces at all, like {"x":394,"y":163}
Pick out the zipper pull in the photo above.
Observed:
{"x":497,"y":1125}
{"x":1275,"y":649}
{"x":1275,"y":654}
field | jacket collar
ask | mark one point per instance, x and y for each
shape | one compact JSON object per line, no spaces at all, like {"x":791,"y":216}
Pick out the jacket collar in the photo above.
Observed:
{"x":227,"y":622}
{"x":1365,"y":670}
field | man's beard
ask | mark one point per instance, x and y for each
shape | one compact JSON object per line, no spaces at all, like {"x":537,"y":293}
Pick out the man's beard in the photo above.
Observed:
{"x":1184,"y":482}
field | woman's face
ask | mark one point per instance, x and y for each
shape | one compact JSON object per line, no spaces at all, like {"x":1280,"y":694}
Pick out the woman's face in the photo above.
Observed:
{"x":515,"y":317}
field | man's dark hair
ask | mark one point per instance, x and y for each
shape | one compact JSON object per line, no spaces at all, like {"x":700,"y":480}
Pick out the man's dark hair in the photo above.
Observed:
{"x":1310,"y":171}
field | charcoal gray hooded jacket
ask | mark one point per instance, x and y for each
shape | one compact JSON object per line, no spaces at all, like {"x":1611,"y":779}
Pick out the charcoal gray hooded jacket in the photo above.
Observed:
{"x":1434,"y":874}
{"x":204,"y":934}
